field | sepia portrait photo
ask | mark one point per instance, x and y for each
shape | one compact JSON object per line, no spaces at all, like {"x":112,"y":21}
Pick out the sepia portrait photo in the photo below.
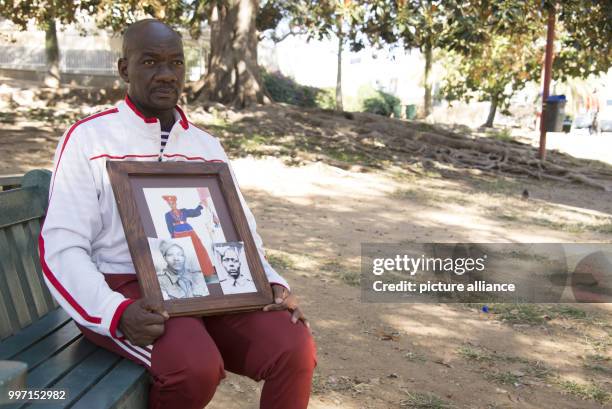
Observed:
{"x":177,"y":268}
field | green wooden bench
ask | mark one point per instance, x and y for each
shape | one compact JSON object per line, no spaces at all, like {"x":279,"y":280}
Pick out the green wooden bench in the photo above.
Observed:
{"x":35,"y":331}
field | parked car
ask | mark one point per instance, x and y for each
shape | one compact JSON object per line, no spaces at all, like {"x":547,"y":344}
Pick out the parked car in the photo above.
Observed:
{"x":582,"y":123}
{"x":604,"y":118}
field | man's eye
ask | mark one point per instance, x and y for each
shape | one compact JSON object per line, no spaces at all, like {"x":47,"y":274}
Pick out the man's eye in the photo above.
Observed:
{"x":179,"y":62}
{"x":148,"y":62}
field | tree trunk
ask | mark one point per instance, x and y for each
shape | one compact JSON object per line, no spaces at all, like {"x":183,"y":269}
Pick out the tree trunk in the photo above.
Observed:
{"x":426,"y":81}
{"x":339,"y":106}
{"x":52,"y":74}
{"x":492,"y":111}
{"x":233,"y":75}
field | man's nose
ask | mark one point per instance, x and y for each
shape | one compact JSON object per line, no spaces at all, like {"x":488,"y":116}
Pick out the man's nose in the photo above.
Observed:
{"x":165,"y":73}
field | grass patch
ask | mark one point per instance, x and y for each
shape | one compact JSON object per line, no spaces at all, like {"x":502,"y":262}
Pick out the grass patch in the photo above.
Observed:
{"x":597,"y":362}
{"x":570,"y":227}
{"x":504,"y":135}
{"x":353,"y":385}
{"x":531,"y":314}
{"x":351,"y":278}
{"x":343,"y":155}
{"x":419,"y":400}
{"x":474,"y":354}
{"x":427,"y":197}
{"x":347,"y":276}
{"x":599,"y":344}
{"x":569,"y":312}
{"x":414,"y":357}
{"x":535,"y":314}
{"x":280,"y":261}
{"x":7,"y":118}
{"x":589,"y":391}
{"x":538,"y":370}
{"x":417,"y":195}
{"x":504,"y":378}
{"x":498,"y":185}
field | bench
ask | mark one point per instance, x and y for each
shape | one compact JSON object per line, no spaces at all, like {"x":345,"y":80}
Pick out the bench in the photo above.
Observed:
{"x":35,"y":331}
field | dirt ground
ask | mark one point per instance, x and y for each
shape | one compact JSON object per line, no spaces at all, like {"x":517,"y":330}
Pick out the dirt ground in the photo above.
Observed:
{"x":314,"y":214}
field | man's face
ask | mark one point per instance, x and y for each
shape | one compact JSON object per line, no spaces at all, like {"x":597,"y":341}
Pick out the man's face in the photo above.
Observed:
{"x":231,"y":263}
{"x":175,"y":257}
{"x":154,"y":67}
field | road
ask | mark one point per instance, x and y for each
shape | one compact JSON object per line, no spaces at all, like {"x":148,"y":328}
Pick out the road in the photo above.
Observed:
{"x":581,"y":145}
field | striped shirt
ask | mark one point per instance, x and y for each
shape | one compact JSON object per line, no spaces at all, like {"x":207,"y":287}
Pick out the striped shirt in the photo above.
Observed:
{"x":164,"y":140}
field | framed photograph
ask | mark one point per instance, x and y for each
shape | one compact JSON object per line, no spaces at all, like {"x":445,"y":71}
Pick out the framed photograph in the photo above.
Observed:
{"x":188,"y":236}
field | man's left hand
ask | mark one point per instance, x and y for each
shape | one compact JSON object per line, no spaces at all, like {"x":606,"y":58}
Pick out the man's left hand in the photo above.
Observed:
{"x":284,"y":300}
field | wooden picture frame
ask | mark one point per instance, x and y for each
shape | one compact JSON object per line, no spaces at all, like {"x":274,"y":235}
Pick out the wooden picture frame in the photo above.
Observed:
{"x":138,"y":188}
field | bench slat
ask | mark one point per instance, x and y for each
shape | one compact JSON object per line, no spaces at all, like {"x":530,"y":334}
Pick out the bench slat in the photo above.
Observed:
{"x":58,"y":365}
{"x":33,"y":228}
{"x":125,"y":386}
{"x":83,"y":377}
{"x":42,"y":350}
{"x":28,"y":253}
{"x":24,"y":267}
{"x":6,"y":326}
{"x":33,"y":333}
{"x":10,"y":180}
{"x":20,"y":317}
{"x":20,"y":205}
{"x":53,"y":369}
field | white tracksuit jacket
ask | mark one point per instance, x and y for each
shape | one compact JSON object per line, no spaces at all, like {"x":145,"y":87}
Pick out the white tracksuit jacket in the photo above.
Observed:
{"x":82,"y":236}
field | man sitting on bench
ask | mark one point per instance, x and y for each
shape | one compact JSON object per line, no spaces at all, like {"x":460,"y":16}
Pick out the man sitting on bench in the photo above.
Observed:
{"x":87,"y":264}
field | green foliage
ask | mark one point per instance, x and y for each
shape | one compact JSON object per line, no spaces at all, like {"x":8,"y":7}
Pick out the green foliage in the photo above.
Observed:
{"x":420,"y":400}
{"x":584,"y":34}
{"x":378,"y":102}
{"x":586,"y":391}
{"x":317,"y":19}
{"x":284,"y":89}
{"x":326,"y":98}
{"x":495,"y":55}
{"x":42,"y":11}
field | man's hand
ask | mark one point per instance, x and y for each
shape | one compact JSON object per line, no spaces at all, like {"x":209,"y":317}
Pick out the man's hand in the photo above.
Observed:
{"x":284,"y":300}
{"x":142,"y":322}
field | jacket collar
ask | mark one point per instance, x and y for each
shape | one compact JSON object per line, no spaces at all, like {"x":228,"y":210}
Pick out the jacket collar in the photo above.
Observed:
{"x":179,"y":115}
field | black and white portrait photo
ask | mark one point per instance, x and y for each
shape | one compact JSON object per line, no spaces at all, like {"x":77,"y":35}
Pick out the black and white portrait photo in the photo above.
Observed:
{"x":177,"y":267}
{"x":233,"y":269}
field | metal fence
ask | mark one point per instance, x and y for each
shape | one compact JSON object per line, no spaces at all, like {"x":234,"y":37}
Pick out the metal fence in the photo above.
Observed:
{"x":92,"y":62}
{"x":95,"y":62}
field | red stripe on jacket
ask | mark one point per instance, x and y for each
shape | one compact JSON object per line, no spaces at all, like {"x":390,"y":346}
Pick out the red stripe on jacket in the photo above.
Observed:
{"x":41,"y":242}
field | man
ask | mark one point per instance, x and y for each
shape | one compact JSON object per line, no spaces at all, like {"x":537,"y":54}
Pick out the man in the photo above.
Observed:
{"x":175,"y":281}
{"x":87,"y":264}
{"x":232,"y":280}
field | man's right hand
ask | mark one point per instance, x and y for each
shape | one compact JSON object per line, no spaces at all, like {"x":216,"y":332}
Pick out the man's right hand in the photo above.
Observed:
{"x":142,"y":322}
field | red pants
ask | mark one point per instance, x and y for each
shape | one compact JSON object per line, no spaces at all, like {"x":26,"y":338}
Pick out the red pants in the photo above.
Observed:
{"x":188,"y":361}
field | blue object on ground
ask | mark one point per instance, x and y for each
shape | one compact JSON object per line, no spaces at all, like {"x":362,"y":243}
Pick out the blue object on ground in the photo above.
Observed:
{"x":485,"y":308}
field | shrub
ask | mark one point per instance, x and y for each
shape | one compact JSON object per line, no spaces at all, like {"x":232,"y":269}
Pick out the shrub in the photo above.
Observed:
{"x":285,"y":89}
{"x":326,"y":98}
{"x":379,"y":102}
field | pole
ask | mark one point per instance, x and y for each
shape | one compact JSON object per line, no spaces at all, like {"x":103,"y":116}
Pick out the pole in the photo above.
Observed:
{"x":550,"y":40}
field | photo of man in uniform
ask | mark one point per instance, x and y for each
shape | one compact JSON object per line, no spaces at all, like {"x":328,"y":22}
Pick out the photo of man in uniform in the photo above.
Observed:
{"x":234,"y":274}
{"x":176,"y":280}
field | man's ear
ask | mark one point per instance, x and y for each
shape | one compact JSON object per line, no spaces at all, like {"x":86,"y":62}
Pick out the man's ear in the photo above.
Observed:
{"x":122,"y":64}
